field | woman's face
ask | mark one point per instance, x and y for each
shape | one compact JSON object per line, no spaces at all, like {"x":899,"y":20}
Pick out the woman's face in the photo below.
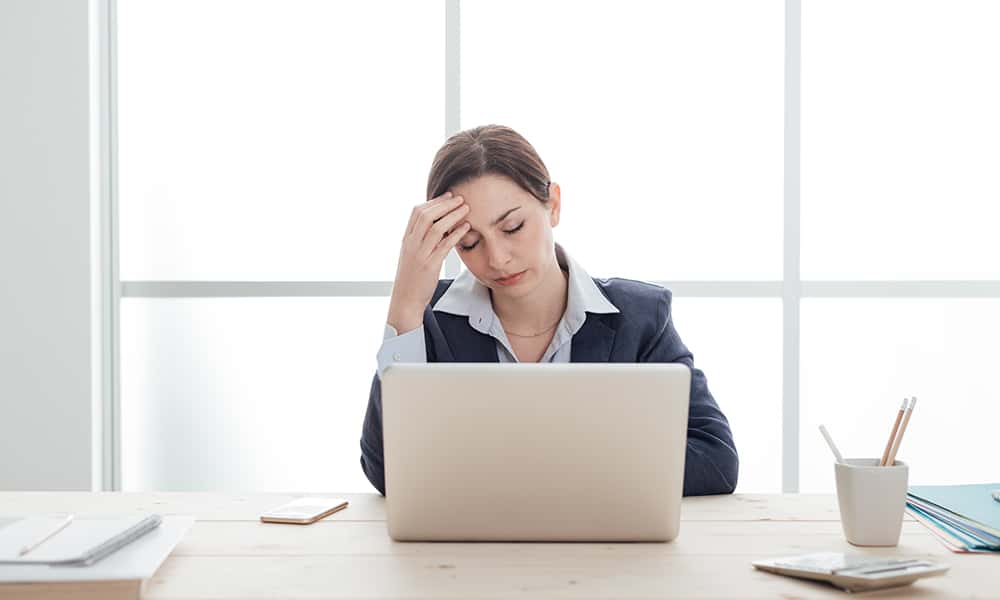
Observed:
{"x":511,"y":234}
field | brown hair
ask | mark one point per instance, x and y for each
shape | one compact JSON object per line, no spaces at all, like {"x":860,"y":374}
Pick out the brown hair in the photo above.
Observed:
{"x":488,"y":149}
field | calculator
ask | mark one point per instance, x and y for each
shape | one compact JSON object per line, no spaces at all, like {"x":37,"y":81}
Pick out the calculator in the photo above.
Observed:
{"x":853,"y":572}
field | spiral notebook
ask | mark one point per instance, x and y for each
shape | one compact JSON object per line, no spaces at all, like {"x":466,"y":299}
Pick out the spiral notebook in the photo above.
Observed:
{"x":83,"y":542}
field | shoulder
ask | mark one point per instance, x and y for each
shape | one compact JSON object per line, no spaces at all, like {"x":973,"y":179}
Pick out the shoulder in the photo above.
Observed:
{"x":644,"y":316}
{"x":442,"y":287}
{"x":634,"y":297}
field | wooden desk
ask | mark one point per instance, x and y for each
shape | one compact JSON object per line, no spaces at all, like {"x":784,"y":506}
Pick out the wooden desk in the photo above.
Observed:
{"x":229,"y":553}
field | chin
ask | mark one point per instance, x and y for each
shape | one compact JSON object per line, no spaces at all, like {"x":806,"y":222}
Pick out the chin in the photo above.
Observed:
{"x":516,"y":293}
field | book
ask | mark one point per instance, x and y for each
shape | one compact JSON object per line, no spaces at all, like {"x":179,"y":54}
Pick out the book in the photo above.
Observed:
{"x":83,"y":540}
{"x":121,"y":575}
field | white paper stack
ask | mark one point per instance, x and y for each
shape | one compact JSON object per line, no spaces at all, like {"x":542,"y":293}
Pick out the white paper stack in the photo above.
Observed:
{"x":118,"y":575}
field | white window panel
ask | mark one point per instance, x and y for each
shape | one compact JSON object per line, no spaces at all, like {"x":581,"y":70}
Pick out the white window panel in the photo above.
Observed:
{"x":662,"y":122}
{"x":269,"y":393}
{"x":274,"y":141}
{"x":860,"y":357}
{"x":737,"y":343}
{"x":899,"y":139}
{"x":238,"y":394}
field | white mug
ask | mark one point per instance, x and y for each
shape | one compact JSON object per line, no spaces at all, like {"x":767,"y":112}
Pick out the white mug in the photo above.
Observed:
{"x":872,"y":500}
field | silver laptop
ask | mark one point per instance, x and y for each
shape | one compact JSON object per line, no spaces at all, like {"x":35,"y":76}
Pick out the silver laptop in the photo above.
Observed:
{"x":534,"y":452}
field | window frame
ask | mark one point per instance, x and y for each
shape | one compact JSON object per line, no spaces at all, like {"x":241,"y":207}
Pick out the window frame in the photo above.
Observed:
{"x":791,"y":289}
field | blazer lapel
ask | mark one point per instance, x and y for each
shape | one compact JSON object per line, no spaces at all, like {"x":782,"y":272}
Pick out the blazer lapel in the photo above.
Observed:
{"x":593,"y":342}
{"x":466,"y":342}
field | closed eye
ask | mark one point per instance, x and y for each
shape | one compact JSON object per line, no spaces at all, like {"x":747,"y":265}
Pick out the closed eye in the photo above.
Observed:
{"x":465,"y":248}
{"x":514,"y":230}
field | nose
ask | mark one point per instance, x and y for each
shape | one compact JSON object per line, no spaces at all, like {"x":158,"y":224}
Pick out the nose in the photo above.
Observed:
{"x":499,"y":255}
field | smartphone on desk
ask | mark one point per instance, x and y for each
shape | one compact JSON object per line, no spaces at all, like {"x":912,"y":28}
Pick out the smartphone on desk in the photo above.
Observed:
{"x":304,"y":511}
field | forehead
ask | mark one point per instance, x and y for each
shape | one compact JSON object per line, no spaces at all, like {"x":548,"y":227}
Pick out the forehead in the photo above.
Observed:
{"x":490,"y":196}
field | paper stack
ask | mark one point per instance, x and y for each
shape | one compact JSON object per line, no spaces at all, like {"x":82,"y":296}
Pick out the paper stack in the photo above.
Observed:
{"x":965,"y":518}
{"x":53,"y":573}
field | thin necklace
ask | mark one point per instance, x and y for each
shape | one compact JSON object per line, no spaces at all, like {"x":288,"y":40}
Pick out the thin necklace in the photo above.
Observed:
{"x":549,"y":328}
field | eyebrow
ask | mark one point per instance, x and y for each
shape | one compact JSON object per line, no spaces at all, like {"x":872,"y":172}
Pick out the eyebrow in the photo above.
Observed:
{"x":504,"y":216}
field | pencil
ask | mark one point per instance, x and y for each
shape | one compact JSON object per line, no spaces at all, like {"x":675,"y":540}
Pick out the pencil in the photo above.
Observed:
{"x":59,"y":527}
{"x":902,"y":429}
{"x":892,"y":436}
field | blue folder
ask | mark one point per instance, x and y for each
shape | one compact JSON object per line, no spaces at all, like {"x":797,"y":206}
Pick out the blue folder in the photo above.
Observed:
{"x":973,"y":502}
{"x":957,"y":535}
{"x":967,"y":514}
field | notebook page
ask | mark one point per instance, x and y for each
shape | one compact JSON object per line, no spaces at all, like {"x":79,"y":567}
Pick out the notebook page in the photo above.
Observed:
{"x":73,"y":543}
{"x":138,"y":560}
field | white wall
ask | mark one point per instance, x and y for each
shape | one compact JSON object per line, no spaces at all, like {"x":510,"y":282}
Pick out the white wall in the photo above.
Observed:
{"x":49,"y":439}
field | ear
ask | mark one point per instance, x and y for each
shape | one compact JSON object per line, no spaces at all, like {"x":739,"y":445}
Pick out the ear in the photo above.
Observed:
{"x":555,"y":203}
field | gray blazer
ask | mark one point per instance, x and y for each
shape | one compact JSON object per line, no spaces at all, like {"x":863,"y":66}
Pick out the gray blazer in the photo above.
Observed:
{"x":642,"y":332}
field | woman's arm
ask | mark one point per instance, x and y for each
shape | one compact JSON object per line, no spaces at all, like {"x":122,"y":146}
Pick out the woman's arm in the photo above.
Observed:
{"x":712,"y":464}
{"x":372,"y":461}
{"x":411,"y":348}
{"x":434,"y":228}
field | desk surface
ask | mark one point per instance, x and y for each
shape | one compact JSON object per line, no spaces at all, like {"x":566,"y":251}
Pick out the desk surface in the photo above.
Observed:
{"x":229,"y":553}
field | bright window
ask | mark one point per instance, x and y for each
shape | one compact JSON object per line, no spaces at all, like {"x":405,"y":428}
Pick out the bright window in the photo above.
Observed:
{"x":279,"y":141}
{"x":285,"y":143}
{"x":662,"y":122}
{"x":899,"y":140}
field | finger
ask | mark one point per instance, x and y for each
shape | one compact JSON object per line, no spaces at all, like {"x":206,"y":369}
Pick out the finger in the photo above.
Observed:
{"x":429,"y":213}
{"x":446,"y":199}
{"x":449,"y":242}
{"x":443,"y":225}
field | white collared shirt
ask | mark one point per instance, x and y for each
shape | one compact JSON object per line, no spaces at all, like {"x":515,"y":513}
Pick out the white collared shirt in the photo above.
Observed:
{"x":468,"y":297}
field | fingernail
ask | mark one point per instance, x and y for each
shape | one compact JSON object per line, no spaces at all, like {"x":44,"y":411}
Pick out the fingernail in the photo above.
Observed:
{"x":447,"y":194}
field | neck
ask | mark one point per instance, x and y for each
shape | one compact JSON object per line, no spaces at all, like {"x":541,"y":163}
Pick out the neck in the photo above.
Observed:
{"x":541,"y":308}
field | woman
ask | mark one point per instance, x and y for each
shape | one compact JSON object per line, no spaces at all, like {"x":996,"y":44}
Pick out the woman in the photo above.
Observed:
{"x":522,"y":298}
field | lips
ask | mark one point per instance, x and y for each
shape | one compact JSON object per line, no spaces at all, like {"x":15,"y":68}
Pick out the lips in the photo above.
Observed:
{"x":511,"y":279}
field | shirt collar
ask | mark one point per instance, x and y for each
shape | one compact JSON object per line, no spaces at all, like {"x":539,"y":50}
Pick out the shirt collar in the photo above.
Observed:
{"x":468,"y":297}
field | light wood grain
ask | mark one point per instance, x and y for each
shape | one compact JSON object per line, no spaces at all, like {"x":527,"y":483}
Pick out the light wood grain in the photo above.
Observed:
{"x":510,"y":576}
{"x":230,"y":554}
{"x":206,"y":506}
{"x":707,"y":538}
{"x":209,"y":506}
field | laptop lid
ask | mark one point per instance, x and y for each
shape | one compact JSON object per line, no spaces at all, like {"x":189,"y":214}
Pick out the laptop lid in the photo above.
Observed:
{"x":534,"y":451}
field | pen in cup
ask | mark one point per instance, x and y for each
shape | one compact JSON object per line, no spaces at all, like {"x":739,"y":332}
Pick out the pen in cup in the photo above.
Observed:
{"x":59,"y":527}
{"x":829,"y":442}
